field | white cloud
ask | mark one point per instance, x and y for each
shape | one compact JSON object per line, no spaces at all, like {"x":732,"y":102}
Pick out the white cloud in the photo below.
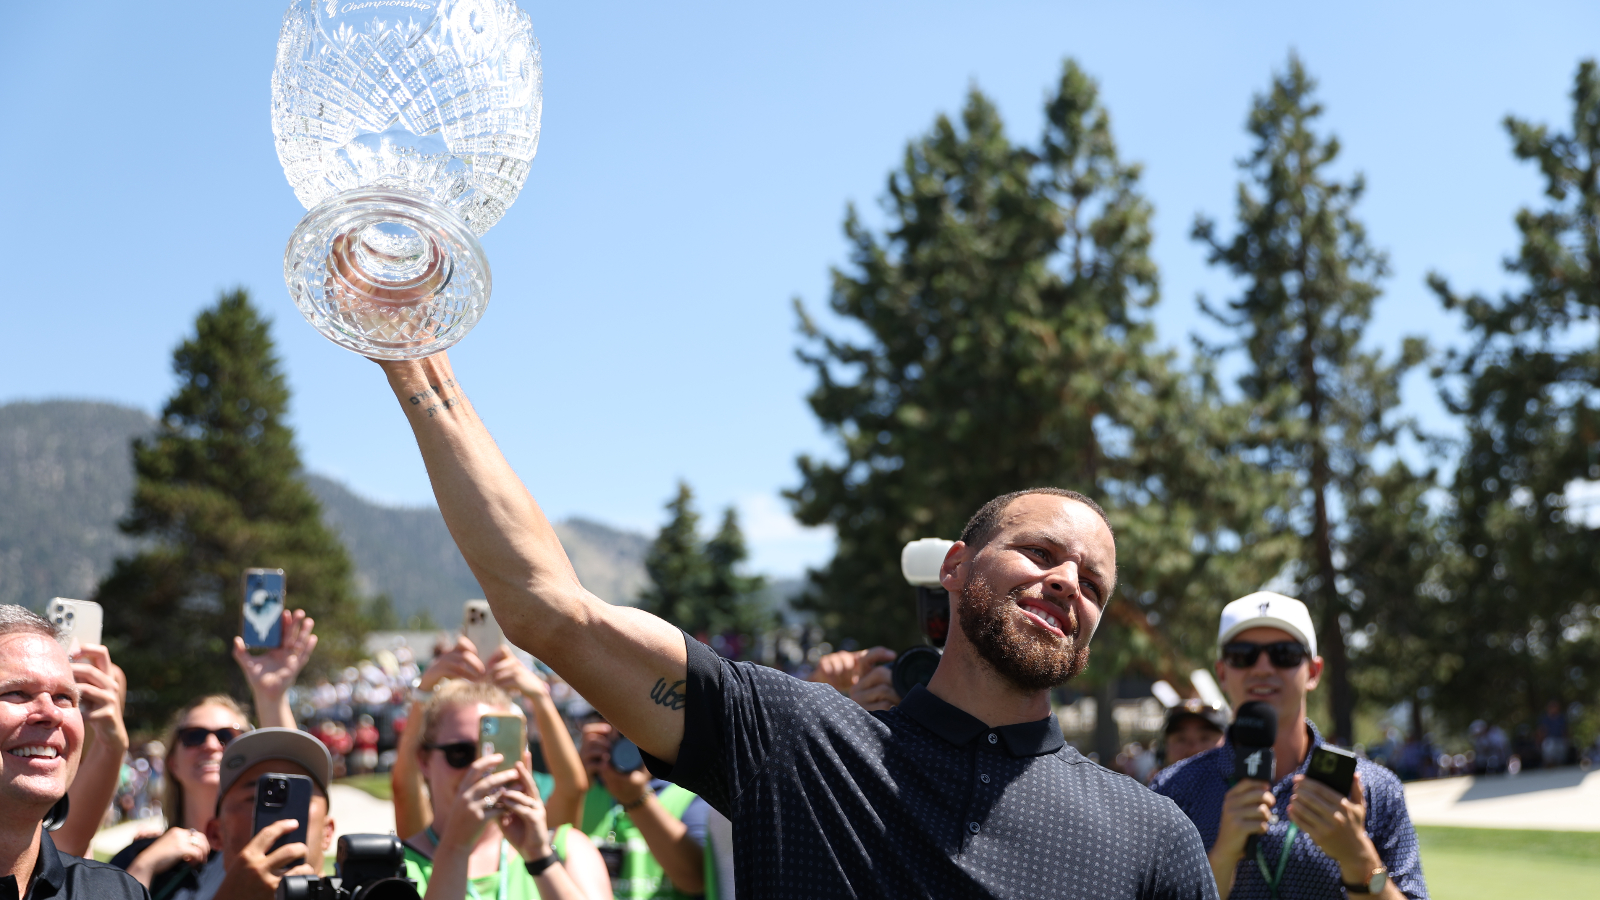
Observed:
{"x":780,"y":546}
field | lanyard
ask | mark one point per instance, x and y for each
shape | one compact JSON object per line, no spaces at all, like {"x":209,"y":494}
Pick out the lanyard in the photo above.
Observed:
{"x":472,"y":892}
{"x":1275,"y":879}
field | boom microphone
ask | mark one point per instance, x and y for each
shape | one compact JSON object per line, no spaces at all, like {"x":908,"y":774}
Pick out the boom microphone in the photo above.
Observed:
{"x":1252,"y":734}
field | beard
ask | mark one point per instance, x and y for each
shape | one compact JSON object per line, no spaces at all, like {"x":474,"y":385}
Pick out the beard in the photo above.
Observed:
{"x":1026,"y":656}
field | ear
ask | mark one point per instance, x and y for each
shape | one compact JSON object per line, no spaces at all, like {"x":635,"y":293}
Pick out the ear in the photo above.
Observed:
{"x":1313,"y":672}
{"x":213,"y":831}
{"x":327,"y":833}
{"x":951,"y":578}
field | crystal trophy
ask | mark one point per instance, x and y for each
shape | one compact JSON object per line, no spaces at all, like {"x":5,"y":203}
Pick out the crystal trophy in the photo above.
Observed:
{"x":406,"y":127}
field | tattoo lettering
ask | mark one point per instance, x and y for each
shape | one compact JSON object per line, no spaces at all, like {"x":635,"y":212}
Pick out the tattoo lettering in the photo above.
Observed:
{"x":667,"y":694}
{"x":435,"y":390}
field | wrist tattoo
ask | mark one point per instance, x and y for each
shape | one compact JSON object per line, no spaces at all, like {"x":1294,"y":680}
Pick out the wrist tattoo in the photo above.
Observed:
{"x":435,"y":391}
{"x":667,"y":694}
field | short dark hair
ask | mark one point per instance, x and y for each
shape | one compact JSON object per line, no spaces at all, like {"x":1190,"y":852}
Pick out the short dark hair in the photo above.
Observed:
{"x":986,"y":521}
{"x":21,"y":620}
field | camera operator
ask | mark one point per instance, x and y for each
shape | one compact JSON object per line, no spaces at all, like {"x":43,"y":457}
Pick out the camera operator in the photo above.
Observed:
{"x":562,"y":787}
{"x":656,"y":831}
{"x":1359,"y":844}
{"x":41,"y":741}
{"x":966,"y":788}
{"x":180,"y":863}
{"x":250,"y":868}
{"x":488,"y":836}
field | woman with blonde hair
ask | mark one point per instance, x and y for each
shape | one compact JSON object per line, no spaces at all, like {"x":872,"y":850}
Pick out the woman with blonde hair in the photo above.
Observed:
{"x":489,"y":837}
{"x":179,"y":863}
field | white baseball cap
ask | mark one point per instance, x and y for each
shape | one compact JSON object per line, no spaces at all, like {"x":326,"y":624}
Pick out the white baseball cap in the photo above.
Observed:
{"x":1264,"y":609}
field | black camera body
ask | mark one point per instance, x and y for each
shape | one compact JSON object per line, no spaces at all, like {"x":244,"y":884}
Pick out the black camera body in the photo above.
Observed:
{"x":919,"y":563}
{"x":370,"y":867}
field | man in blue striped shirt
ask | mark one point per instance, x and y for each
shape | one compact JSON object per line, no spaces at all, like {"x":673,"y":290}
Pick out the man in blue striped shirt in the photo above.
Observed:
{"x":1313,"y":843}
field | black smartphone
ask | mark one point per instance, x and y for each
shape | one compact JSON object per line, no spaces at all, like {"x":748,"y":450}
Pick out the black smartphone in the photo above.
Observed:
{"x":263,"y":608}
{"x":280,"y":797}
{"x":1334,"y":767}
{"x":625,"y":757}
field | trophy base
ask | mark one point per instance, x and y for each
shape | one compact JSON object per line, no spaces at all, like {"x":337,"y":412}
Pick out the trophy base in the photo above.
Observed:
{"x":389,"y":275}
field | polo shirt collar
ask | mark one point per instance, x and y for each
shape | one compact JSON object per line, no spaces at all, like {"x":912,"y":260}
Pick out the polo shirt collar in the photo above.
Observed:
{"x":961,"y":728}
{"x":49,"y":874}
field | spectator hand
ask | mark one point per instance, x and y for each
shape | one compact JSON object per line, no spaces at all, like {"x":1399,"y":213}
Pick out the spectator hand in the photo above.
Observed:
{"x":256,"y":873}
{"x":104,"y":689}
{"x":178,"y":846}
{"x":523,"y":821}
{"x":1338,"y":825}
{"x":460,"y":661}
{"x":272,"y":673}
{"x":874,"y":685}
{"x":510,"y":675}
{"x":839,"y":669}
{"x":473,"y":806}
{"x":1246,"y":810}
{"x":625,"y":788}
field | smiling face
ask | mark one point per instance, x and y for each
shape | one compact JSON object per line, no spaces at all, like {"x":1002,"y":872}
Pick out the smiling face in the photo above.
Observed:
{"x":1283,"y":689}
{"x":1031,"y":597}
{"x":199,"y":769}
{"x":41,"y":727}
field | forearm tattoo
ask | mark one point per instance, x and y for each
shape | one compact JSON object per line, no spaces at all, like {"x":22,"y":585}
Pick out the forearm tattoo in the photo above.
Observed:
{"x":435,"y":397}
{"x":667,"y":694}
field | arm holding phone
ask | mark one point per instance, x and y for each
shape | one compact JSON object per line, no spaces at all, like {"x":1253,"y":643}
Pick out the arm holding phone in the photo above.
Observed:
{"x":1338,"y":825}
{"x":104,"y":690}
{"x":614,"y":656}
{"x":565,"y":803}
{"x":272,"y":673}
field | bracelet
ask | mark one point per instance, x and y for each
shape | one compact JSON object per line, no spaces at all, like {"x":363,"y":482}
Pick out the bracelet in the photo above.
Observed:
{"x":536,"y":867}
{"x":637,"y":803}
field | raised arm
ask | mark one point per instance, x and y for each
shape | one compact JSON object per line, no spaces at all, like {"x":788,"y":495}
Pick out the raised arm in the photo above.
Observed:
{"x":629,"y":664}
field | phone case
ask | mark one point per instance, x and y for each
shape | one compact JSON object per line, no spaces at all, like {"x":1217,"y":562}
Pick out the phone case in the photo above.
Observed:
{"x":81,"y":619}
{"x":263,"y":608}
{"x":1334,"y":767}
{"x":478,"y":624}
{"x":281,"y":797}
{"x":501,"y":734}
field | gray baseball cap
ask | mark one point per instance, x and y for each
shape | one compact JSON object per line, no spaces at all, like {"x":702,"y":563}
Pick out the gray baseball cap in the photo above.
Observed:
{"x":263,"y":744}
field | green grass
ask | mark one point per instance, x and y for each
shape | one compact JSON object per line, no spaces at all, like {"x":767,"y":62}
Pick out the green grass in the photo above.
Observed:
{"x":377,"y":785}
{"x":1482,"y":863}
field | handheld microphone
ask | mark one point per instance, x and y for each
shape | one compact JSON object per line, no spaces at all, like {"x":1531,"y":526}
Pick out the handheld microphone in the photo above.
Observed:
{"x":1252,"y":734}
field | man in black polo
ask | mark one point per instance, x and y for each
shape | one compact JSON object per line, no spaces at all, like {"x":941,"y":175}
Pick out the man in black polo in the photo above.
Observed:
{"x":965,"y":789}
{"x":41,"y":739}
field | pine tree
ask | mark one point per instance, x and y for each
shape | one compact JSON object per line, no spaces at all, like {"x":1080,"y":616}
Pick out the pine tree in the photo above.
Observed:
{"x":1321,"y":405}
{"x":695,"y":583}
{"x":218,"y":489}
{"x":1007,"y":348}
{"x":1527,"y":613}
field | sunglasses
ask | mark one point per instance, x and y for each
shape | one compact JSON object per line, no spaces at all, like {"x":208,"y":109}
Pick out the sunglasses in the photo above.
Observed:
{"x":457,"y":756}
{"x":195,"y":737}
{"x":1283,"y":654}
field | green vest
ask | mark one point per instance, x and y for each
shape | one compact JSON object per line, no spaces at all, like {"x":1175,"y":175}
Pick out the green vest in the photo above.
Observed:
{"x":519,"y":884}
{"x":642,"y":878}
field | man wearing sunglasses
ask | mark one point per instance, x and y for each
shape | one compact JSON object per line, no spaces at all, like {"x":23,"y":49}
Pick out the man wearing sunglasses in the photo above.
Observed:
{"x":1312,"y":842}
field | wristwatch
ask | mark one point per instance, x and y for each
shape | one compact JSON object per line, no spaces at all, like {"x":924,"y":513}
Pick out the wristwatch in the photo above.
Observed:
{"x":1380,"y":877}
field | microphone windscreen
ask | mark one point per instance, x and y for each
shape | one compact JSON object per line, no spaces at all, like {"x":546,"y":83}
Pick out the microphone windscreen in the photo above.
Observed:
{"x":1255,"y":725}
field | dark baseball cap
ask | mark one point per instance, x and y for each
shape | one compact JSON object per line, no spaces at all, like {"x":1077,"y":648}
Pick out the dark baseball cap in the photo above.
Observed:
{"x":289,"y":744}
{"x":1194,"y":708}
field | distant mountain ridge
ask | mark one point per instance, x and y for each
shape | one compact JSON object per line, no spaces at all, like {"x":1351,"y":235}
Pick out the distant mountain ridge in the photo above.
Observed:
{"x":66,"y":474}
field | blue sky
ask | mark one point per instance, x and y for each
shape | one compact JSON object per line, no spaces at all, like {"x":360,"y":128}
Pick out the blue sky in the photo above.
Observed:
{"x":695,"y":166}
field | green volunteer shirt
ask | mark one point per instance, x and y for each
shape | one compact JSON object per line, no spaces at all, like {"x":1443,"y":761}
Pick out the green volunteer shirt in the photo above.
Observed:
{"x":519,"y":884}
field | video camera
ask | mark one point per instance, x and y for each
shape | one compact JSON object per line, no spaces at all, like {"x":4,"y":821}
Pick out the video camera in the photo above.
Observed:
{"x":919,"y":563}
{"x":370,"y":867}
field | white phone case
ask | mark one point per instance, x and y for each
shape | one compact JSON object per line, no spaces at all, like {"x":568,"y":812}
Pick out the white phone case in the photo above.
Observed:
{"x":80,"y":619}
{"x":478,"y":624}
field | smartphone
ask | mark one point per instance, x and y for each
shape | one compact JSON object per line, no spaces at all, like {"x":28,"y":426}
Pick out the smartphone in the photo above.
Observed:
{"x":263,"y":608}
{"x":76,"y":619}
{"x":501,"y":734}
{"x":625,"y":756}
{"x":1334,"y":767}
{"x":478,"y":624}
{"x":280,"y":797}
